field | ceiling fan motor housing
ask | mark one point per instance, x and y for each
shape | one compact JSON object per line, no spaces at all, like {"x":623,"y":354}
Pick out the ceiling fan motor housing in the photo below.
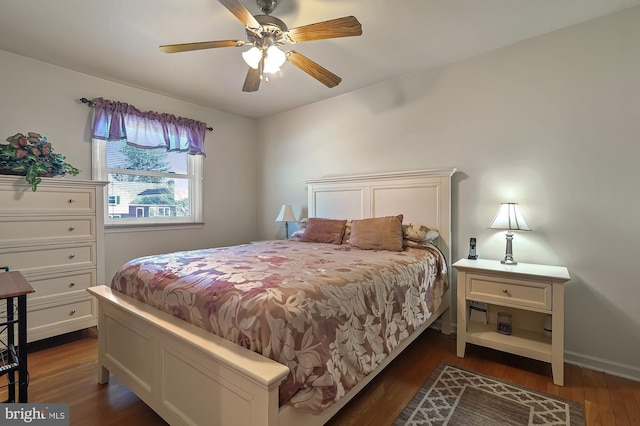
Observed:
{"x":272,"y":31}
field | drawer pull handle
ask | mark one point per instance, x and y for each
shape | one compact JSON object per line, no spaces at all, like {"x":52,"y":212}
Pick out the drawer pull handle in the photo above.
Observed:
{"x":72,"y":228}
{"x":71,"y":201}
{"x":73,"y":311}
{"x":505,"y":291}
{"x":71,"y":285}
{"x":72,"y":256}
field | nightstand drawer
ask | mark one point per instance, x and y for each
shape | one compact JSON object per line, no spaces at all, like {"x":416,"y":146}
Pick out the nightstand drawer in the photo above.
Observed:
{"x":537,"y":295}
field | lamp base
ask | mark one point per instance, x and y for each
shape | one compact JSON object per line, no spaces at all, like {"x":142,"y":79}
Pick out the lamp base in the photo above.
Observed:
{"x":508,"y":256}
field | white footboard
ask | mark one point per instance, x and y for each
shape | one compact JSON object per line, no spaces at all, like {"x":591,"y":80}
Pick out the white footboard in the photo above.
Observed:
{"x":191,"y":377}
{"x":186,"y":375}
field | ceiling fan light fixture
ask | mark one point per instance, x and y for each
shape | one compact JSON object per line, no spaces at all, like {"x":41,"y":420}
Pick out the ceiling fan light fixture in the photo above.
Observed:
{"x":252,"y":57}
{"x":274,"y":60}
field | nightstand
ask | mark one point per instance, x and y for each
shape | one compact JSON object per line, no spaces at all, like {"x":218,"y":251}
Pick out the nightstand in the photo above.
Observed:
{"x":526,"y":291}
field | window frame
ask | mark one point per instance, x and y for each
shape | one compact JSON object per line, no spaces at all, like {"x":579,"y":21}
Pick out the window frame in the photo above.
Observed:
{"x":195,"y":166}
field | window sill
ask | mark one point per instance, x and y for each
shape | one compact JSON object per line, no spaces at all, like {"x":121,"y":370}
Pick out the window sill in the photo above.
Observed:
{"x":115,"y":229}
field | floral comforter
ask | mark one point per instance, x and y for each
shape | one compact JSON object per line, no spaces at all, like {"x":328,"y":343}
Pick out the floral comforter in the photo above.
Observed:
{"x":330,"y":313}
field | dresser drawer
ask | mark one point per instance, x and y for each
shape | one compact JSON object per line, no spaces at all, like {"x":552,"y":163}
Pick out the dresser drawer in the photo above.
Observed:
{"x":46,"y":200}
{"x":64,"y":283}
{"x":483,"y":288}
{"x":38,"y":259}
{"x":21,"y":230}
{"x":53,"y":315}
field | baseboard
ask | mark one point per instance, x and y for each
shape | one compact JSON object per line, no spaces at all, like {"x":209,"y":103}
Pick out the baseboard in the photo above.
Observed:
{"x":603,"y":365}
{"x":596,"y":364}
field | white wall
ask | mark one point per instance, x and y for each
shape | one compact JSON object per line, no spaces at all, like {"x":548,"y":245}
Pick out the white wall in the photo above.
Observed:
{"x":43,"y":98}
{"x":552,"y":123}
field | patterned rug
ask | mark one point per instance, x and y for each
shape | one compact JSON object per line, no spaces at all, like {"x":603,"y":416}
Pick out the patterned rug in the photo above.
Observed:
{"x":455,"y":396}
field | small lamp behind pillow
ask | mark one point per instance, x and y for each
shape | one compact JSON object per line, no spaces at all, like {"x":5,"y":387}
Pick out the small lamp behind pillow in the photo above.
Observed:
{"x":286,"y":215}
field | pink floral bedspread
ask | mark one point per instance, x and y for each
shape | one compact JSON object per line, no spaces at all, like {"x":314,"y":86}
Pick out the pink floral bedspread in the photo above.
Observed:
{"x":330,"y":313}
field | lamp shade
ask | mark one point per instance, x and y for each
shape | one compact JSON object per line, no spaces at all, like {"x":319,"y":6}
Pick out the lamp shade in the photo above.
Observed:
{"x":274,"y":60}
{"x":509,"y":217}
{"x":252,"y":57}
{"x":286,"y":214}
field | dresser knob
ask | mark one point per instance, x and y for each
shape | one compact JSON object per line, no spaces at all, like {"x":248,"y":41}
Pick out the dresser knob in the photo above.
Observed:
{"x":72,"y":256}
{"x":72,"y":228}
{"x":71,"y":201}
{"x":505,"y":291}
{"x":71,"y":285}
{"x":73,"y":311}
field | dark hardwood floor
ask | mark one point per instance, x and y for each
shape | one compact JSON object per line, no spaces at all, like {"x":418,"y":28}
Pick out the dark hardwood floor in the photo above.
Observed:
{"x":63,"y":370}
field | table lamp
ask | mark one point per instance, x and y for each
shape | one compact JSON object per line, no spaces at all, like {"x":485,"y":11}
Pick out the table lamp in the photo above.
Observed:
{"x":509,"y":218}
{"x":286,"y":215}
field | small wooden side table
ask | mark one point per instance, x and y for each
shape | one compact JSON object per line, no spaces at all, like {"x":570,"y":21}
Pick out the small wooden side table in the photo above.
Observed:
{"x":14,"y":286}
{"x":524,"y":289}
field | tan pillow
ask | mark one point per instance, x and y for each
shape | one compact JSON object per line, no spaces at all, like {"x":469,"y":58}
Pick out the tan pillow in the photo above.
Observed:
{"x":324,"y":230}
{"x":378,"y":233}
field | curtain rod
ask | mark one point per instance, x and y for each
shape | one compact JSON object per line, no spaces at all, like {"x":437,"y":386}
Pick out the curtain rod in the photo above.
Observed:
{"x":91,"y":103}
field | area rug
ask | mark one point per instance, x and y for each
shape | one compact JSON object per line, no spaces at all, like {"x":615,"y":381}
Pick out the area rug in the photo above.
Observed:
{"x":455,"y":396}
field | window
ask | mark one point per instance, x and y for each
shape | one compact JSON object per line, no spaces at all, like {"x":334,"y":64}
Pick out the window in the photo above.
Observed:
{"x":160,"y":211}
{"x":148,"y":186}
{"x":152,"y":165}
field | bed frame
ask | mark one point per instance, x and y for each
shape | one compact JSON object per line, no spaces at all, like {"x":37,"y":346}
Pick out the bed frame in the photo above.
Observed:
{"x":191,"y":377}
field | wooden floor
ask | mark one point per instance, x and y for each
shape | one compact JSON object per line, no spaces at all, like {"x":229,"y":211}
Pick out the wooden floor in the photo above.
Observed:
{"x":63,"y":370}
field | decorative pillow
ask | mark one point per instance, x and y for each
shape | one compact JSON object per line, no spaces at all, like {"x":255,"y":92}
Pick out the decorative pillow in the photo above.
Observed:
{"x":324,"y":230}
{"x":378,"y":233}
{"x":418,"y":233}
{"x":298,"y":233}
{"x":302,"y":226}
{"x":347,"y":233}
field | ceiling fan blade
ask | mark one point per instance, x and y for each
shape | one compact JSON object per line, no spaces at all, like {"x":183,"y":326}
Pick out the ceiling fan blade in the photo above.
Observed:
{"x":334,"y":28}
{"x":185,"y":47}
{"x":252,"y":81}
{"x":241,"y":12}
{"x":316,"y":71}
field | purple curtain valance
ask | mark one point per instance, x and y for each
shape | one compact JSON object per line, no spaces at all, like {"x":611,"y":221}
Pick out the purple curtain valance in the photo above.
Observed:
{"x":115,"y":120}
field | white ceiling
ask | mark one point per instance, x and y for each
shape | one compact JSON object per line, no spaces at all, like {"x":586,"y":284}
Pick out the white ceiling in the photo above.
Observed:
{"x":118,"y":40}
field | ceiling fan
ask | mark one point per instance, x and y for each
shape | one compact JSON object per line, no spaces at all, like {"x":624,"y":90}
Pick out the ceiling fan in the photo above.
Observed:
{"x":266,"y":33}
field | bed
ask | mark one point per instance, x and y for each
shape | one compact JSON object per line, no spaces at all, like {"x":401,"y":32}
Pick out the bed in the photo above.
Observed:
{"x":190,"y":376}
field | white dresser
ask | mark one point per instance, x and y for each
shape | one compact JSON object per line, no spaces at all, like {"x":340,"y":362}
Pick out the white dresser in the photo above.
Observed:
{"x":55,"y":238}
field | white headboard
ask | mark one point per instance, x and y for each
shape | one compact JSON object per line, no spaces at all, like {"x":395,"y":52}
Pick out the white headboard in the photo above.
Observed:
{"x":422,"y":196}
